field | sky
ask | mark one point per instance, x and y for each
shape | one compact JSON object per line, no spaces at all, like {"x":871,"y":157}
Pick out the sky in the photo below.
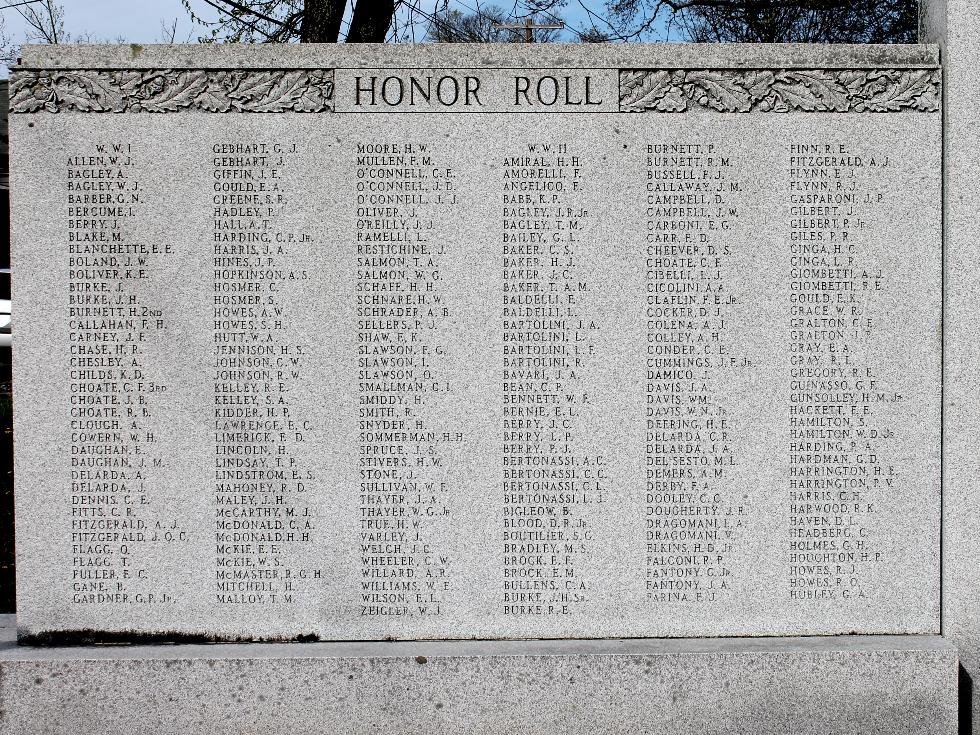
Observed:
{"x":135,"y":21}
{"x":139,"y":21}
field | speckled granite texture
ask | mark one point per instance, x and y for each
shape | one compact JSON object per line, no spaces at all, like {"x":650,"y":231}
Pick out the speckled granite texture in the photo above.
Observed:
{"x":795,"y":686}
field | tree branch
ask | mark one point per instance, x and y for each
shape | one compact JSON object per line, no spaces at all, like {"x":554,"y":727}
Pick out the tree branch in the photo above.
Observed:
{"x":370,"y":21}
{"x":247,"y":24}
{"x":244,"y":9}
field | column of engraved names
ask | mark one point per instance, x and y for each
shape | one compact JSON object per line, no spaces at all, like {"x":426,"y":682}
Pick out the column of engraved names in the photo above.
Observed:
{"x":404,"y":388}
{"x":838,"y":469}
{"x":552,"y":479}
{"x":693,"y":516}
{"x":115,"y":394}
{"x":264,"y":521}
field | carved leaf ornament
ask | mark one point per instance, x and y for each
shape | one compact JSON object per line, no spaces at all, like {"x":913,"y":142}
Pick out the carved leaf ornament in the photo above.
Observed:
{"x":768,"y":90}
{"x":641,"y":90}
{"x":167,"y":90}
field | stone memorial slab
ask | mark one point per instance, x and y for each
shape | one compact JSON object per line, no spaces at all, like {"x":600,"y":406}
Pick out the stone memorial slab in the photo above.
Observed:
{"x":483,"y":342}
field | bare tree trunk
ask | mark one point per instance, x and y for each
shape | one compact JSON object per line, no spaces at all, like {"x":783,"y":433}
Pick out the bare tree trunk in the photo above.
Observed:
{"x":321,"y":21}
{"x":370,"y":21}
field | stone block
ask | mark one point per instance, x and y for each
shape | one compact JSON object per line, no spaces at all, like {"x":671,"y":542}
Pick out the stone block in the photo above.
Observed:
{"x":953,"y":24}
{"x":900,"y":685}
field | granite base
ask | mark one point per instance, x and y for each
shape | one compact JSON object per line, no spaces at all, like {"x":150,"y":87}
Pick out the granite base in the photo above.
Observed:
{"x":846,"y":684}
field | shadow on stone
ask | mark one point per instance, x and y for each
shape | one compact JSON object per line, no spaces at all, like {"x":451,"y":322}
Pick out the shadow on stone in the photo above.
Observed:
{"x":965,"y":702}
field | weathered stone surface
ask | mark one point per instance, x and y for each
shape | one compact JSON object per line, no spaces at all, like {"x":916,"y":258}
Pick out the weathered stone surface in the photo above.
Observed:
{"x":586,"y":342}
{"x":366,"y":55}
{"x":901,"y":685}
{"x":954,"y":24}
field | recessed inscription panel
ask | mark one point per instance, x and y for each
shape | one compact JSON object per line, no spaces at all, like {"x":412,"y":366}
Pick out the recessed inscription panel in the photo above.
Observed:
{"x":480,"y":375}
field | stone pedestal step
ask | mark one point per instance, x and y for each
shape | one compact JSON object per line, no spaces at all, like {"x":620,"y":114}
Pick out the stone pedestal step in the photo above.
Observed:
{"x":822,"y":685}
